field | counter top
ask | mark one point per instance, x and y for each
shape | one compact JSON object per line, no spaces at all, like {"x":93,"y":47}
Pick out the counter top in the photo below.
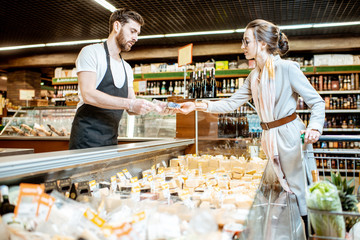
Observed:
{"x":14,"y":151}
{"x":66,"y":138}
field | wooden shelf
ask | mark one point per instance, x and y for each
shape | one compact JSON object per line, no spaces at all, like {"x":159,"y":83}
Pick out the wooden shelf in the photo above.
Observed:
{"x":65,"y":80}
{"x":331,"y":111}
{"x":341,"y":129}
{"x":340,"y":92}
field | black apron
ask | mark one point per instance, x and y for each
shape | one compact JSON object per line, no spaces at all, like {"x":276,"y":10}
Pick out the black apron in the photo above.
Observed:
{"x":94,"y":126}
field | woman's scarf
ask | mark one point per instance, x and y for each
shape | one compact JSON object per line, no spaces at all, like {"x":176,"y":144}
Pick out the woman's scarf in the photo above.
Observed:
{"x":263,"y":92}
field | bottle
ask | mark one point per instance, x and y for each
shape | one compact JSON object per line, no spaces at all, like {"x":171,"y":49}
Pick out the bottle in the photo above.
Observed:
{"x":158,"y":88}
{"x":171,"y":89}
{"x":213,"y":83}
{"x":325,"y":85}
{"x":329,"y":84}
{"x":224,"y":86}
{"x":191,"y":85}
{"x":176,"y":90}
{"x":320,"y":83}
{"x":182,"y":91}
{"x":232,"y":86}
{"x":228,"y":86}
{"x":204,"y":90}
{"x":357,"y":83}
{"x":6,"y":206}
{"x":315,"y":175}
{"x":341,"y":82}
{"x":163,"y":89}
{"x":352,"y":82}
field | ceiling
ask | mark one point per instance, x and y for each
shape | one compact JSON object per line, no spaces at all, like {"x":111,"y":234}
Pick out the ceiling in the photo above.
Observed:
{"x":44,"y":21}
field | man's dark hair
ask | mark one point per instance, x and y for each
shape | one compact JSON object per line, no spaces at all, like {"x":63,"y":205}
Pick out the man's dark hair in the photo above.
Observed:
{"x":123,"y":15}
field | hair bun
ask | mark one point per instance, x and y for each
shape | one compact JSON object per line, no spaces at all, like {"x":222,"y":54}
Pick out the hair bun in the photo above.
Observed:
{"x":283,"y":43}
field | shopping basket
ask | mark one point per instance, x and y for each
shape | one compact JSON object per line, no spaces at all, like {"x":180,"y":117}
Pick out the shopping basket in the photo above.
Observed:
{"x":347,"y":163}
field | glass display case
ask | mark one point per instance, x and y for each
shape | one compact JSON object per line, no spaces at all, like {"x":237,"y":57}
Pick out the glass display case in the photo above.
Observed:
{"x":57,"y":121}
{"x":235,"y":133}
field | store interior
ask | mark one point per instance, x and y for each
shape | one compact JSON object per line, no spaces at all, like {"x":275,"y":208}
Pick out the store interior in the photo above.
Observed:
{"x":39,"y":44}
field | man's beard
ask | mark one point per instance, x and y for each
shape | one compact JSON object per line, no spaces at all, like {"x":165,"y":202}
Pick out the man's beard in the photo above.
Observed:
{"x":121,"y":42}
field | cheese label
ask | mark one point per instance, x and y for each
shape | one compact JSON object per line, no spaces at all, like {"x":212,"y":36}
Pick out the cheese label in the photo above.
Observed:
{"x":92,"y":185}
{"x":122,"y":230}
{"x":127,"y":173}
{"x":94,"y":218}
{"x":113,"y":183}
{"x":138,"y":217}
{"x":165,"y":189}
{"x":121,"y":176}
{"x":134,"y":179}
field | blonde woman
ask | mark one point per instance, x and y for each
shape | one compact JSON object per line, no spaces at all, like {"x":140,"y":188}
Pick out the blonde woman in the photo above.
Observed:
{"x":275,"y":85}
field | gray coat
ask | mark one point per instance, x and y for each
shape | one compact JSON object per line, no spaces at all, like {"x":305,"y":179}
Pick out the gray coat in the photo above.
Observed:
{"x":290,"y":84}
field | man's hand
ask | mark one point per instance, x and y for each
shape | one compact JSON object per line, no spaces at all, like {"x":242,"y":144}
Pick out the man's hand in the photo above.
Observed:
{"x":311,"y":135}
{"x":140,"y":106}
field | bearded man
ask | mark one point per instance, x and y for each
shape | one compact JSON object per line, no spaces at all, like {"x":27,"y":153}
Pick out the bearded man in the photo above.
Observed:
{"x":106,"y":84}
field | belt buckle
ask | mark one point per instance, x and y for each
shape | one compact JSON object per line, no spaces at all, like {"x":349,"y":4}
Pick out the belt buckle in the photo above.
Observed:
{"x":265,"y":126}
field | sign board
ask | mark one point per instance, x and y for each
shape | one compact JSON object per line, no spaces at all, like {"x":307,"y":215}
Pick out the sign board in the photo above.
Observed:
{"x":25,"y":94}
{"x":185,"y":55}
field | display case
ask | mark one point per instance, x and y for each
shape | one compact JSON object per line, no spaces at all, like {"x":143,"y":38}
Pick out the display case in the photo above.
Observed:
{"x":88,"y":164}
{"x":46,"y":129}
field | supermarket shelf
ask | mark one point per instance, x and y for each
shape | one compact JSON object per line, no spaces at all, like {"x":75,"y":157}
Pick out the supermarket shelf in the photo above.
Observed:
{"x":341,"y":129}
{"x":340,"y":92}
{"x":65,"y":80}
{"x":337,"y":69}
{"x":224,"y":139}
{"x":349,"y":171}
{"x":331,"y":111}
{"x":154,"y":96}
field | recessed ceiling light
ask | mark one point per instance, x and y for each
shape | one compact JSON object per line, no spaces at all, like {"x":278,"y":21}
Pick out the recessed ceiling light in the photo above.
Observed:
{"x":106,"y":5}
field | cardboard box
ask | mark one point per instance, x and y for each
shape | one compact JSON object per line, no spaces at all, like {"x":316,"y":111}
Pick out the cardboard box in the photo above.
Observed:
{"x":222,"y":65}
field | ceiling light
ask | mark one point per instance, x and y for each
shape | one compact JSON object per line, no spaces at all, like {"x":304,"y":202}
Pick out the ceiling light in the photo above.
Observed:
{"x":106,"y":5}
{"x":298,"y":26}
{"x":198,"y":33}
{"x":152,"y":36}
{"x":340,"y":24}
{"x":21,"y":47}
{"x":240,"y":30}
{"x":72,"y":43}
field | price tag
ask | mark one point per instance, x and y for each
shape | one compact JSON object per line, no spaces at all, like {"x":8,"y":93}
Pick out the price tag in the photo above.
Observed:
{"x":164,"y":164}
{"x":121,"y":176}
{"x":127,"y":173}
{"x":135,"y":193}
{"x":113,"y":183}
{"x":138,"y":217}
{"x":122,"y":230}
{"x":94,"y":218}
{"x":182,"y":167}
{"x":165,"y":189}
{"x":92,"y":185}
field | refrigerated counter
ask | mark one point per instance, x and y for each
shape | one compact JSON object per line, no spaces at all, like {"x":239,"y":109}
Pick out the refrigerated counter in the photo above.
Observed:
{"x":89,"y":164}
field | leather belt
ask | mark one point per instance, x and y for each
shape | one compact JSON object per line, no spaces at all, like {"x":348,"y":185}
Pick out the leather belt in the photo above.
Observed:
{"x":279,"y":122}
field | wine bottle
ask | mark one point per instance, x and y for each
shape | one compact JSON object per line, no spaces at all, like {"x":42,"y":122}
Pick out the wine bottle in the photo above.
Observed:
{"x":163,"y":88}
{"x":213,"y":83}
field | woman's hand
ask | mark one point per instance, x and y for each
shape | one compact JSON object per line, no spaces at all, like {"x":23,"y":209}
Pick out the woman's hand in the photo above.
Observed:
{"x":186,"y":108}
{"x":311,"y":135}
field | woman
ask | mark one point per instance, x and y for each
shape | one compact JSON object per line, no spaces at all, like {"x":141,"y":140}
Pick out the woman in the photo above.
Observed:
{"x":275,"y":86}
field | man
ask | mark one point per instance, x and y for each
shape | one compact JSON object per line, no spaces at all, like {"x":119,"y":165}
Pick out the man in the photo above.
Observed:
{"x":106,"y":84}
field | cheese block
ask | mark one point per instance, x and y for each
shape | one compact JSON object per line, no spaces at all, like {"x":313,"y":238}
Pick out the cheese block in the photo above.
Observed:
{"x":243,"y":201}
